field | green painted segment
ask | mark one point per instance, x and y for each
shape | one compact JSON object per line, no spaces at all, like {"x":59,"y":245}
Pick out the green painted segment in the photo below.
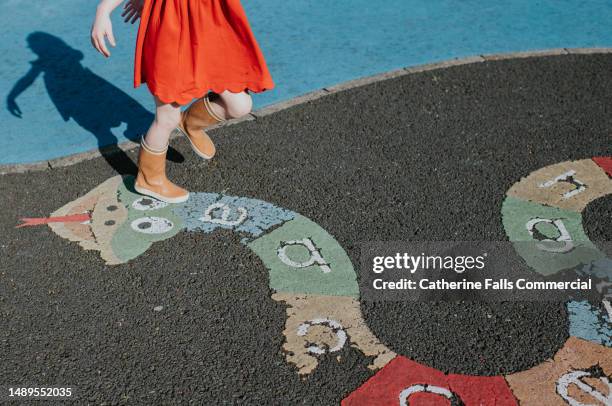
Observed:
{"x":517,"y":213}
{"x":340,"y":281}
{"x":127,"y":243}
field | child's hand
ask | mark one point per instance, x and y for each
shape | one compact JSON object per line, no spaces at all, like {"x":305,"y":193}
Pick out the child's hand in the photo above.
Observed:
{"x":132,"y":10}
{"x":101,"y":30}
{"x":13,"y":108}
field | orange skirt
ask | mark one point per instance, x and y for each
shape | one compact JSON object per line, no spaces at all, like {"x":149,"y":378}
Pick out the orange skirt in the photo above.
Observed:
{"x":186,"y":48}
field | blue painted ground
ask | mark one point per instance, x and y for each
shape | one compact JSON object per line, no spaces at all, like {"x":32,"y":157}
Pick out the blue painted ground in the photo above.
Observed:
{"x":72,"y":100}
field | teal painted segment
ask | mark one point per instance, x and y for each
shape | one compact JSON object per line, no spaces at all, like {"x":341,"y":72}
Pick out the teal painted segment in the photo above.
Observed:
{"x":128,"y":243}
{"x":340,"y":281}
{"x":589,"y":323}
{"x":260,"y":215}
{"x":517,"y":213}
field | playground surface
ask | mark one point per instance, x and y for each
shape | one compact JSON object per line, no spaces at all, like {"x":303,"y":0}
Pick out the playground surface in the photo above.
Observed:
{"x":135,"y":302}
{"x":72,"y":100}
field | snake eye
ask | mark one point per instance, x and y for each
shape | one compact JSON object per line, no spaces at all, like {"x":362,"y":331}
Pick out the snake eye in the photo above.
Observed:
{"x":152,"y":225}
{"x":147,"y":203}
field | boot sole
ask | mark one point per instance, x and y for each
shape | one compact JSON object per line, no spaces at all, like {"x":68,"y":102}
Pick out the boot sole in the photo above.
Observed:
{"x":157,"y":196}
{"x":197,"y":151}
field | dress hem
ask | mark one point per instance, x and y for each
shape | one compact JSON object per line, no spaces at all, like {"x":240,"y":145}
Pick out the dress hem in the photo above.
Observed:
{"x":186,"y":97}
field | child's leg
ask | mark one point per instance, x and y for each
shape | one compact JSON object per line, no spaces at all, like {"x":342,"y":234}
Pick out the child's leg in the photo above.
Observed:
{"x":167,"y":117}
{"x":208,"y":111}
{"x":151,"y":179}
{"x":229,"y":105}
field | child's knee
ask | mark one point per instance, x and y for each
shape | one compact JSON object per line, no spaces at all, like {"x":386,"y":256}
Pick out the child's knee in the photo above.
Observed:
{"x":238,"y":105}
{"x":168,"y":120}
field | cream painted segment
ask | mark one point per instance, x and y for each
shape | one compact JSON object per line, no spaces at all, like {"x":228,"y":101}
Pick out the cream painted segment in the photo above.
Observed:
{"x":325,"y":324}
{"x":577,"y":378}
{"x":557,"y":381}
{"x":569,"y":185}
{"x":331,"y":326}
{"x":104,"y":222}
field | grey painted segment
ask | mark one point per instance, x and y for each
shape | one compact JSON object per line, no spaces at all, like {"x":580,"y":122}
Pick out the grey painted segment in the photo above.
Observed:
{"x":527,"y":54}
{"x":404,"y":71}
{"x":365,"y":81}
{"x":444,"y":64}
{"x":248,"y":117}
{"x":76,"y":158}
{"x":588,"y":51}
{"x":129,"y":145}
{"x":275,"y":108}
{"x":22,"y":168}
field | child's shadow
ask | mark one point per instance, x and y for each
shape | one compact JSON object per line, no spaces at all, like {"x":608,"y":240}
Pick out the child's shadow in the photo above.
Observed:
{"x":78,"y":93}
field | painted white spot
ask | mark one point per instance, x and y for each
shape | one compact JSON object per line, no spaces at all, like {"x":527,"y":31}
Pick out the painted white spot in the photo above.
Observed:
{"x":573,"y":378}
{"x":600,"y":286}
{"x":315,"y":255}
{"x":152,"y":225}
{"x":564,"y":235}
{"x":406,"y":393}
{"x":148,"y":203}
{"x":608,"y":308}
{"x":567,"y":177}
{"x":336,"y":328}
{"x":225,"y":215}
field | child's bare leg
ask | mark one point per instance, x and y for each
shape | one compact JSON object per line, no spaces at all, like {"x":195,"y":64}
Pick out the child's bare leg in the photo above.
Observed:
{"x":167,"y":117}
{"x":231,"y":105}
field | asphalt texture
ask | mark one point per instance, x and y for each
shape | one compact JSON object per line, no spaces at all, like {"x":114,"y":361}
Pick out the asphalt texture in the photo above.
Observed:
{"x":596,"y":229}
{"x":426,"y":156}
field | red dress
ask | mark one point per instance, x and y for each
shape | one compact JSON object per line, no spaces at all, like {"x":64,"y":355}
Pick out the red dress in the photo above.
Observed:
{"x":187,"y":47}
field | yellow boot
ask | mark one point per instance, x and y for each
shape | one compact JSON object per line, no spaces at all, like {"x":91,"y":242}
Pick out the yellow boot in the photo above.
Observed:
{"x":193,"y":122}
{"x":152,"y":180}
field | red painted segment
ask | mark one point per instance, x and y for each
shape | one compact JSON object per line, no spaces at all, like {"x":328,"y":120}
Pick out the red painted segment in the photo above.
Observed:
{"x":605,"y":162}
{"x":386,"y":386}
{"x":73,"y":218}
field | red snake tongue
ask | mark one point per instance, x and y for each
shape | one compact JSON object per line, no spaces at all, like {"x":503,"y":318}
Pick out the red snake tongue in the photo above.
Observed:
{"x":73,"y":218}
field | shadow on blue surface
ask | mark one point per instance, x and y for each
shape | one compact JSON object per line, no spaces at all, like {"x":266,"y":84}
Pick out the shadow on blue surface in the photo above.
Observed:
{"x":308,"y":45}
{"x":71,"y":88}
